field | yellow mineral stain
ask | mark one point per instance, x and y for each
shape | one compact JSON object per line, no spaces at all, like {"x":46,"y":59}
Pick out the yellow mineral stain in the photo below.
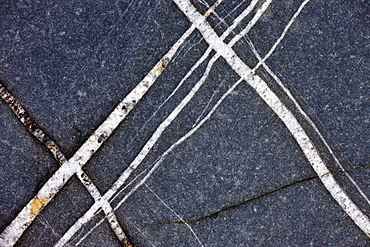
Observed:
{"x":210,"y":10}
{"x":37,"y":204}
{"x":162,"y":64}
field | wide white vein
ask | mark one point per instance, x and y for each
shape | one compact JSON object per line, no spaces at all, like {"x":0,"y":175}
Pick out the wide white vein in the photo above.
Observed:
{"x":16,"y":228}
{"x":309,"y":120}
{"x":281,"y":111}
{"x":147,"y":147}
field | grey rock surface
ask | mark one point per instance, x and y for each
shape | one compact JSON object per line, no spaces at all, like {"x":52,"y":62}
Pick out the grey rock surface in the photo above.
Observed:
{"x":241,"y":179}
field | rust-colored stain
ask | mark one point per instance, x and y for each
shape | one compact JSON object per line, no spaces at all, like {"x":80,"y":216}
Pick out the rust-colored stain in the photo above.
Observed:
{"x":37,"y":204}
{"x":162,"y":64}
{"x":210,"y":10}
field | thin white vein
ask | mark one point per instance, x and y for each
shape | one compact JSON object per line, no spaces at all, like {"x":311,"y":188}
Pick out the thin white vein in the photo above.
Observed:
{"x":108,"y":210}
{"x":141,"y":232}
{"x":16,"y":228}
{"x":209,"y":49}
{"x":303,"y":4}
{"x":47,"y":225}
{"x":158,"y":162}
{"x":158,"y":132}
{"x":150,"y":143}
{"x":53,"y":148}
{"x":250,"y":24}
{"x":177,"y":215}
{"x":101,"y":134}
{"x":89,"y":232}
{"x":310,"y":151}
{"x":112,"y":199}
{"x":208,"y":104}
{"x":309,"y":120}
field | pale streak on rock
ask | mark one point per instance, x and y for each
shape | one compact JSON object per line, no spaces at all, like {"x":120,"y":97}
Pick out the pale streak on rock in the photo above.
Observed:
{"x":177,"y":215}
{"x":311,"y":153}
{"x":224,"y":35}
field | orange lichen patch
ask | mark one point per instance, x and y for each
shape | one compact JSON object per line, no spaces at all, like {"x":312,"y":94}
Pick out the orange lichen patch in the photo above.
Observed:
{"x":37,"y":204}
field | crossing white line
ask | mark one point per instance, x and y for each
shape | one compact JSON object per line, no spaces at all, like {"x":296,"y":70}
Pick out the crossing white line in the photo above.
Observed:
{"x":281,"y":111}
{"x":36,"y":131}
{"x":244,"y":14}
{"x":154,"y":138}
{"x":16,"y":228}
{"x":194,"y":128}
{"x":277,"y":42}
{"x":304,"y":114}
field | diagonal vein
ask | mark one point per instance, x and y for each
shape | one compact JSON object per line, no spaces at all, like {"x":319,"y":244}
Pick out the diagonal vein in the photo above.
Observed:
{"x":16,"y":228}
{"x":35,"y":130}
{"x":154,"y":138}
{"x":295,"y":128}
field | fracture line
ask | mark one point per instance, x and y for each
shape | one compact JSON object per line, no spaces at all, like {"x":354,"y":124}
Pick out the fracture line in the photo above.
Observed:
{"x":308,"y":148}
{"x":35,"y":130}
{"x":289,"y":94}
{"x":178,"y":216}
{"x":147,"y":147}
{"x":178,"y":142}
{"x":309,"y":120}
{"x":329,"y":178}
{"x":141,"y":232}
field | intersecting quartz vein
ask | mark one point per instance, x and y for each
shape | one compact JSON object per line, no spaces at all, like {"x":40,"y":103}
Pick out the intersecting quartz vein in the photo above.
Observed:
{"x":290,"y":121}
{"x":159,"y":162}
{"x":168,"y":120}
{"x":151,"y":142}
{"x":16,"y":228}
{"x":35,"y":130}
{"x":298,"y":106}
{"x":230,"y":29}
{"x":261,"y":61}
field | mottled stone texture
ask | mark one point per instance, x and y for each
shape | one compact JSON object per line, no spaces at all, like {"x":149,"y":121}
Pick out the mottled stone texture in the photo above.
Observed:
{"x":241,"y":179}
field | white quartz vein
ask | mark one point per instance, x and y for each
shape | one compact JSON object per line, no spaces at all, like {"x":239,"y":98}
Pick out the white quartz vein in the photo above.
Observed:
{"x":16,"y":228}
{"x":304,"y":114}
{"x":54,"y":149}
{"x":147,"y":147}
{"x":308,"y":148}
